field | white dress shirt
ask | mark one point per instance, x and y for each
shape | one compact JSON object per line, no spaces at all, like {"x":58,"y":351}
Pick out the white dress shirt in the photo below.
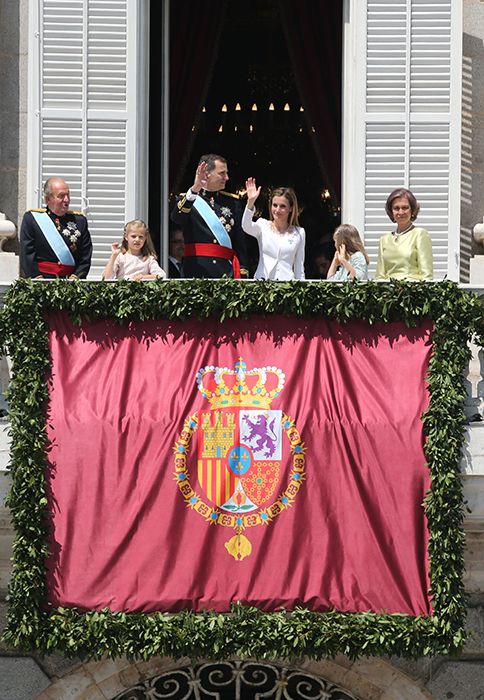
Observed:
{"x":281,"y":255}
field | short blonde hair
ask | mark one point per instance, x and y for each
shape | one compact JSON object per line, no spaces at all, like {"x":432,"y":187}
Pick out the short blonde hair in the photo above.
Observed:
{"x":348,"y":235}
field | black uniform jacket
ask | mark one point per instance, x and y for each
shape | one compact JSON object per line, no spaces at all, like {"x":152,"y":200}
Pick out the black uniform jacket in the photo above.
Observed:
{"x":229,"y":210}
{"x":35,"y":248}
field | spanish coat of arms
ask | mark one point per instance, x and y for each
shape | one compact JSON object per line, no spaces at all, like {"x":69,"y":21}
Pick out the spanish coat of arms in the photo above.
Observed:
{"x":240,"y":448}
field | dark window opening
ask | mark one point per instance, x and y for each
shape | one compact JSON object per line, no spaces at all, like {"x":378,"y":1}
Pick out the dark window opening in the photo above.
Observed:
{"x":259,"y":84}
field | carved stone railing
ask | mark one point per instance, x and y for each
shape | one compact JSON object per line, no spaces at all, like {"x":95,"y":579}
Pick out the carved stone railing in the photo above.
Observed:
{"x":474,"y":407}
{"x":9,"y":262}
{"x":477,"y":261}
{"x":7,"y":230}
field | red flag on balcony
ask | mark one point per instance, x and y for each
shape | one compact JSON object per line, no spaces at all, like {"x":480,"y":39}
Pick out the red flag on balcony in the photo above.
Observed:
{"x":277,"y":462}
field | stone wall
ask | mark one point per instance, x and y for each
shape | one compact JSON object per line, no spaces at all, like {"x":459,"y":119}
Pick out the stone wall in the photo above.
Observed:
{"x":27,"y":677}
{"x":13,"y":110}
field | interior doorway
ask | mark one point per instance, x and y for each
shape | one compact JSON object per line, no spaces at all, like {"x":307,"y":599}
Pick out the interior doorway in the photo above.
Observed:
{"x":259,"y":83}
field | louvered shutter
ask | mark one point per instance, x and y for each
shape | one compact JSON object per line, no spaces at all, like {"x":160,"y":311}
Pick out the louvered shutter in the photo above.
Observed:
{"x":90,"y":123}
{"x":402,"y":92}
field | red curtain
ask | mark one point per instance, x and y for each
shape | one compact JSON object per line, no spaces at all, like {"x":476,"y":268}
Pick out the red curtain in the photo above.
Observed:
{"x":308,"y":491}
{"x":313,"y":31}
{"x":194,"y":36}
{"x":314,"y":37}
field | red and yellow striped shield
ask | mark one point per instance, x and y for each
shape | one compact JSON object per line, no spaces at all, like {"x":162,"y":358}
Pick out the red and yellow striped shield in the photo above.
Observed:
{"x":233,"y":468}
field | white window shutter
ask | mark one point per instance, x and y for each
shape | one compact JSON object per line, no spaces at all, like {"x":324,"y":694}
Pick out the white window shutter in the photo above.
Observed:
{"x":89,"y":122}
{"x":402,"y":91}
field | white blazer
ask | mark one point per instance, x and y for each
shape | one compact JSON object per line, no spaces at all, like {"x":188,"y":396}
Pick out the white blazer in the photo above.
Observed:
{"x":281,"y":255}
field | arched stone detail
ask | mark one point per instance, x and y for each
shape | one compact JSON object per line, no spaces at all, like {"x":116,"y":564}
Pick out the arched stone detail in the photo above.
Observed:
{"x":236,"y":680}
{"x":364,"y":679}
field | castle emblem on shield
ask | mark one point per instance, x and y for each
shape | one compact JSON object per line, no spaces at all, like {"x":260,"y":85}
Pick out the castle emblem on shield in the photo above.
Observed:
{"x":239,"y":477}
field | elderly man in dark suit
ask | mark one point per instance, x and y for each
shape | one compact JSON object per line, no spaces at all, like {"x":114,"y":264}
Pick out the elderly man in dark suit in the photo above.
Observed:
{"x":55,"y":242}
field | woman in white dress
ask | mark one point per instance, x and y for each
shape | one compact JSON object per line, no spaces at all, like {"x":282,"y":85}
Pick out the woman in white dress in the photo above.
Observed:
{"x":350,"y":260}
{"x":281,"y":240}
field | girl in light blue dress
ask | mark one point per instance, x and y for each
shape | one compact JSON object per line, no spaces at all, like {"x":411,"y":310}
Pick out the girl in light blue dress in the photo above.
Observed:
{"x":350,"y":260}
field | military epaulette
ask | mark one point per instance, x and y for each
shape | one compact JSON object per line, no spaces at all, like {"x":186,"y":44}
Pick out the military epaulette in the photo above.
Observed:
{"x":78,"y":213}
{"x":230,"y":194}
{"x":41,"y":211}
{"x":181,"y":204}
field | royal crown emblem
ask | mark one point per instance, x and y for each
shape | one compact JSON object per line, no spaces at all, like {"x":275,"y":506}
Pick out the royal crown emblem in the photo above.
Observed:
{"x":243,"y":448}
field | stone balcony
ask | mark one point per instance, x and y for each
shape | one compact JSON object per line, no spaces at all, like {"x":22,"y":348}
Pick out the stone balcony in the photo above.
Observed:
{"x":369,"y":678}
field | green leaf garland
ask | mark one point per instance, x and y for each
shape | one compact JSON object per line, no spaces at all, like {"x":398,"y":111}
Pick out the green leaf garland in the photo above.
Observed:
{"x":457,"y":316}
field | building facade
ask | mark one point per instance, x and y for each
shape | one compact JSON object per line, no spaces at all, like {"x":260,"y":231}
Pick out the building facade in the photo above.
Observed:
{"x":74,"y":101}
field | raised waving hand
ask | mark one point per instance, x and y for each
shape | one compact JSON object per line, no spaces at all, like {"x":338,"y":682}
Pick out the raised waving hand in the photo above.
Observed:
{"x":252,"y":191}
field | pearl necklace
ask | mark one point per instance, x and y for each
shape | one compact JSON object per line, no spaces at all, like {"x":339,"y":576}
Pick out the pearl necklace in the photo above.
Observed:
{"x":398,"y":233}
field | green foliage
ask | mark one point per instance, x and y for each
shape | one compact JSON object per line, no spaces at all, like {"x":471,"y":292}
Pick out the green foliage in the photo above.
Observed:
{"x":457,"y":316}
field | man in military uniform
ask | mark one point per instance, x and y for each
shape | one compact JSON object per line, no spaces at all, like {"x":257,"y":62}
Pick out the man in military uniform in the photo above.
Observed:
{"x":55,"y":242}
{"x":211,"y":222}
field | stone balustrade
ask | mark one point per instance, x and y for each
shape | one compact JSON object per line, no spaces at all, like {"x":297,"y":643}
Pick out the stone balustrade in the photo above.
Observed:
{"x":476,"y":262}
{"x":9,"y":262}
